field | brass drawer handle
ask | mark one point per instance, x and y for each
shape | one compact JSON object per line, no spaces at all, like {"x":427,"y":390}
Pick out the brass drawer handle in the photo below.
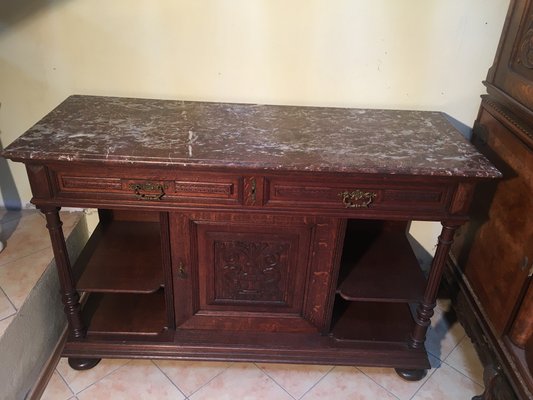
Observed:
{"x":357,"y":198}
{"x":138,"y":188}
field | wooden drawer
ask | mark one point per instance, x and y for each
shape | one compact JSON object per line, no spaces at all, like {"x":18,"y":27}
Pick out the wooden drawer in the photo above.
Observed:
{"x":160,"y":186}
{"x":358,"y":196}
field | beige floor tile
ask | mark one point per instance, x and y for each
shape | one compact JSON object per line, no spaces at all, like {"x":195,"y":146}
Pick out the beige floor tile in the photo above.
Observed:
{"x":79,"y":380}
{"x":390,"y":380}
{"x":23,"y":237}
{"x":138,"y":379}
{"x":18,"y":277}
{"x":6,"y":308}
{"x":465,"y":359}
{"x":57,"y":389}
{"x":347,"y":383}
{"x":443,"y":335}
{"x":28,"y":234}
{"x":243,"y":381}
{"x":448,"y":384}
{"x":189,"y":376}
{"x":4,"y":324}
{"x":294,"y":378}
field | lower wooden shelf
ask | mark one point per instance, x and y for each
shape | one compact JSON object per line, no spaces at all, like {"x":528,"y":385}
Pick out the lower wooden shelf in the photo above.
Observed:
{"x":384,"y":345}
{"x":125,"y":314}
{"x":386,"y":270}
{"x":372,"y":322}
{"x":122,"y":256}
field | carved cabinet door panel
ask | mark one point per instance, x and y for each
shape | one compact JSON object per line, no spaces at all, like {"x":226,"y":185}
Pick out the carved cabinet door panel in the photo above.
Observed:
{"x":269,"y":273}
{"x":513,"y":69}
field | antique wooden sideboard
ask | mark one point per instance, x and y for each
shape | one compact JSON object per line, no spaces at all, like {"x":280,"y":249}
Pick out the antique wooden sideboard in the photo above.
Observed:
{"x":491,"y":265}
{"x":249,"y":232}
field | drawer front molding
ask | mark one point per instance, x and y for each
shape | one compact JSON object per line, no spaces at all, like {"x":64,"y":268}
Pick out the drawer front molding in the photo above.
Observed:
{"x":194,"y":189}
{"x":359,"y":196}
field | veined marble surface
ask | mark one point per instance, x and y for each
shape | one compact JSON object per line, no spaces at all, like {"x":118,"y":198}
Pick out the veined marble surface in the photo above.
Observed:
{"x":164,"y":132}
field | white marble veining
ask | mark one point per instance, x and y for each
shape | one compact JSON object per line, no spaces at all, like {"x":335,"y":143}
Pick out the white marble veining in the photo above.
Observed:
{"x":162,"y":132}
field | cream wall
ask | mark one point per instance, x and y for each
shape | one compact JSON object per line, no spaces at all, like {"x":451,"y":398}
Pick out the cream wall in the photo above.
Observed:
{"x":421,"y":54}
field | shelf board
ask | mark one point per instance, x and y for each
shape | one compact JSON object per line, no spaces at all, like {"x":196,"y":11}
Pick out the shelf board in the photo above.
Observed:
{"x":125,"y":313}
{"x":122,"y":257}
{"x":374,"y":322}
{"x":387,"y":270}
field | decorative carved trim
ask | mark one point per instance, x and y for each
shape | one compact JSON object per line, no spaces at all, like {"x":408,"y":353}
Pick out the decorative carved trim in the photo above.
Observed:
{"x":524,"y":54}
{"x":509,"y":119}
{"x":88,"y":182}
{"x":214,"y":188}
{"x":304,"y":192}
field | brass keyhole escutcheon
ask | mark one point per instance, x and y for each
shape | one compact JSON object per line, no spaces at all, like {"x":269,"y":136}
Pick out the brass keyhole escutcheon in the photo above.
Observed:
{"x":253,"y":189}
{"x":182,"y":274}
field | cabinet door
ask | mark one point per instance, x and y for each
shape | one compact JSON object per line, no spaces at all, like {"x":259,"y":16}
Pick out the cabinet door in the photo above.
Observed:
{"x":512,"y":71}
{"x":253,"y":272}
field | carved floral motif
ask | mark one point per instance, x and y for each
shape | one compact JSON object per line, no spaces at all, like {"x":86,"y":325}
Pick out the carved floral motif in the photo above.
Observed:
{"x":254,"y":271}
{"x":525,"y":49}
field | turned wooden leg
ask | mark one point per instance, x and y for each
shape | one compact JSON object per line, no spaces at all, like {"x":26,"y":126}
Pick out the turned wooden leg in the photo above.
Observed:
{"x":69,"y":295}
{"x":424,"y":311}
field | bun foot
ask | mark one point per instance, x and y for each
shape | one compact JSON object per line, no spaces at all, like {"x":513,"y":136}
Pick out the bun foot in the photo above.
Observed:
{"x":82,"y":364}
{"x":411,"y":374}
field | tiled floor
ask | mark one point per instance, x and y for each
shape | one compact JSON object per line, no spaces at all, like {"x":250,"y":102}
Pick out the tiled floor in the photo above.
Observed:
{"x":456,"y":374}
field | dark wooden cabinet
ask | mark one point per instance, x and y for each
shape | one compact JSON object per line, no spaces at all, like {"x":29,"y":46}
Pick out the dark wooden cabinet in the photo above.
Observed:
{"x":492,"y":259}
{"x":248,"y":232}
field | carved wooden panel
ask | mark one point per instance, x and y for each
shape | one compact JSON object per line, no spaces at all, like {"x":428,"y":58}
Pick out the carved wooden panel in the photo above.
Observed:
{"x":523,"y":52}
{"x":252,"y":268}
{"x":250,"y":271}
{"x":510,"y":78}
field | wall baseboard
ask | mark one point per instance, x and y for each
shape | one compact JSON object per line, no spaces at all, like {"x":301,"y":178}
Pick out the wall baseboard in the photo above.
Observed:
{"x":49,"y":367}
